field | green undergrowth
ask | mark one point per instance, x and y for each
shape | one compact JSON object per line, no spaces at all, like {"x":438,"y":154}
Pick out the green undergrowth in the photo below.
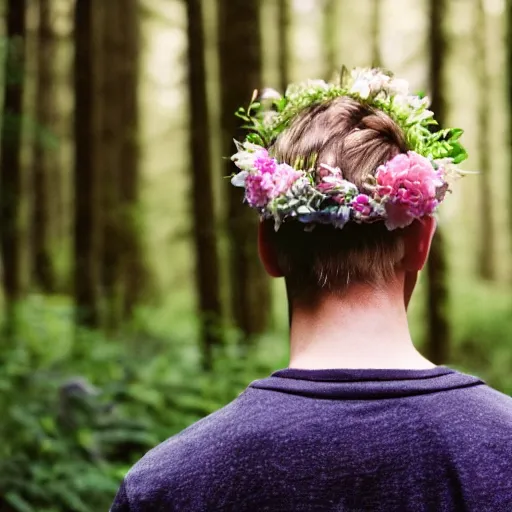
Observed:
{"x":76,"y":415}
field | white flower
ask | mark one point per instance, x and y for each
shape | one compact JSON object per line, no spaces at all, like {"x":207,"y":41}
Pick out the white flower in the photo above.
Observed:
{"x":379,"y":82}
{"x":449,"y":170}
{"x":238,"y":180}
{"x":251,"y":147}
{"x":270,"y":94}
{"x":361,"y":87}
{"x":368,"y":82}
{"x":418,"y":103}
{"x":399,"y":86}
{"x":318,"y":84}
{"x":403,"y":103}
{"x":426,"y":114}
{"x":243,"y":160}
{"x":269,"y":117}
{"x":244,"y":157}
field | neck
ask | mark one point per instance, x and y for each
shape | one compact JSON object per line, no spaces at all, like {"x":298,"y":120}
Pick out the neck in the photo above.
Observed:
{"x":365,"y":328}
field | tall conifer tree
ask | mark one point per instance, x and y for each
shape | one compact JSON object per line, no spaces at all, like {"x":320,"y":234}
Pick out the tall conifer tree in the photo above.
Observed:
{"x":240,"y":69}
{"x":44,"y":164}
{"x":438,"y":329}
{"x":205,"y":241}
{"x":486,"y":242}
{"x":10,"y":158}
{"x":86,"y":201}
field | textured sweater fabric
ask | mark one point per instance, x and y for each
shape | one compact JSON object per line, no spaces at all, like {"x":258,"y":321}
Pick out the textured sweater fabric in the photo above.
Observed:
{"x":338,"y":440}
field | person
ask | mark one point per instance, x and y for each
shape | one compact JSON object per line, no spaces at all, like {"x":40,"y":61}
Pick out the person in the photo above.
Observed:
{"x":346,"y":178}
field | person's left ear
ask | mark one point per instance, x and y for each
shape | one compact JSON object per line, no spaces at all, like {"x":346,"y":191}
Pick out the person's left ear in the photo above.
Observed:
{"x":417,"y":241}
{"x":266,"y":250}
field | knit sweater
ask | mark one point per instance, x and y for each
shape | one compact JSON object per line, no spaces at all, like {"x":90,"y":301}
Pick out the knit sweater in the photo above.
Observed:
{"x":337,"y":440}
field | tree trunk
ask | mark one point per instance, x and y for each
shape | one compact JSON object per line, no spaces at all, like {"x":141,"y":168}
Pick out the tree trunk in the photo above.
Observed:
{"x":110,"y":18}
{"x":509,"y":92}
{"x":123,"y":273}
{"x":283,"y":45}
{"x":85,"y":178}
{"x":136,"y":275}
{"x":205,"y":243}
{"x":10,"y":158}
{"x":486,"y":246}
{"x":44,"y":164}
{"x":240,"y":69}
{"x":438,"y":332}
{"x":375,"y":33}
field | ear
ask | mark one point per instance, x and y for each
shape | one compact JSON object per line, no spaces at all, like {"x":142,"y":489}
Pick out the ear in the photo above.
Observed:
{"x":266,"y":249}
{"x":417,"y":241}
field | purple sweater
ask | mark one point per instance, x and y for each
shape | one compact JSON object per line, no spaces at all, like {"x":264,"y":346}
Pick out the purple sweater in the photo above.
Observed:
{"x":338,"y":440}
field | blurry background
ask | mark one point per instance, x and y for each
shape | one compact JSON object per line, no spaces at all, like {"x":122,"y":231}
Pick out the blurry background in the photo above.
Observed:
{"x":133,"y":301}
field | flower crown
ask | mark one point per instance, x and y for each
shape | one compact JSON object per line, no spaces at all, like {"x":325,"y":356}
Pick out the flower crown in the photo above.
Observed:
{"x":409,"y":186}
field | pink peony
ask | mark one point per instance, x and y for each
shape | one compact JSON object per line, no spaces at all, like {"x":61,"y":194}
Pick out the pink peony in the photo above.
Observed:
{"x":409,"y":180}
{"x":397,"y":216}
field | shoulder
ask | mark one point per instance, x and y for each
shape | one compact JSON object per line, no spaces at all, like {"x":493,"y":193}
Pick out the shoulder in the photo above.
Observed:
{"x":481,"y":405}
{"x":175,"y":469}
{"x":471,"y":424}
{"x":473,"y":429}
{"x":475,"y":408}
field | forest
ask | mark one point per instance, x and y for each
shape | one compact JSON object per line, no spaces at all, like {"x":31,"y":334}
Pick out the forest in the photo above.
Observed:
{"x":132,"y":299}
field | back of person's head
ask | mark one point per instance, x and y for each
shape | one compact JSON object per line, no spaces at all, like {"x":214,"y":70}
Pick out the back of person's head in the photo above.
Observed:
{"x":341,"y":175}
{"x":357,"y":139}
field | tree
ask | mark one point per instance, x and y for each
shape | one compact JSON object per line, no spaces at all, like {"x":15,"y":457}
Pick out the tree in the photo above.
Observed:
{"x":44,"y":163}
{"x":122,"y":268}
{"x":485,"y":263}
{"x":10,"y":158}
{"x":330,"y":36}
{"x":240,"y":70}
{"x":438,"y":331}
{"x":108,"y":157}
{"x":283,"y":45}
{"x":375,"y":33}
{"x":509,"y":91}
{"x":136,"y":276}
{"x":85,"y":178}
{"x":203,"y":213}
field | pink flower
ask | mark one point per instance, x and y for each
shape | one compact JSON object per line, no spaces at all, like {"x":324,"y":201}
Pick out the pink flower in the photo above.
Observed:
{"x":284,"y":177}
{"x":257,"y":189}
{"x":325,"y":171}
{"x":361,"y":204}
{"x":410,"y":181}
{"x":397,"y":216}
{"x":263,"y":186}
{"x":263,"y":163}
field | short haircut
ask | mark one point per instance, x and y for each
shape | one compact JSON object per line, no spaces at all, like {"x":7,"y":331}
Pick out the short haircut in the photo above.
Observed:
{"x":356,"y":138}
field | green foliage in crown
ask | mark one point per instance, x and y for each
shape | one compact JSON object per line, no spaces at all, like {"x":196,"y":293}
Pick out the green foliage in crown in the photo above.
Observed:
{"x":269,"y":115}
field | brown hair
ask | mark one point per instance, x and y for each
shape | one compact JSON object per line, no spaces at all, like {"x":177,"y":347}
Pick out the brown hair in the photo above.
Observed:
{"x":356,"y":138}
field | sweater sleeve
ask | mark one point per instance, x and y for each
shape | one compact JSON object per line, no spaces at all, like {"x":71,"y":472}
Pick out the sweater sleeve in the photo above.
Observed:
{"x":121,"y":502}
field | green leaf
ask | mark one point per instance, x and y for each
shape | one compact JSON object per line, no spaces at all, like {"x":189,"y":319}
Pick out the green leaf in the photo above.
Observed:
{"x":255,"y":138}
{"x":243,"y":116}
{"x":463,"y":155}
{"x":18,"y":503}
{"x":456,"y":133}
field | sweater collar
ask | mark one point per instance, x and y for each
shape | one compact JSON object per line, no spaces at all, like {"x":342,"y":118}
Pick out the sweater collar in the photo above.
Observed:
{"x":365,"y":383}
